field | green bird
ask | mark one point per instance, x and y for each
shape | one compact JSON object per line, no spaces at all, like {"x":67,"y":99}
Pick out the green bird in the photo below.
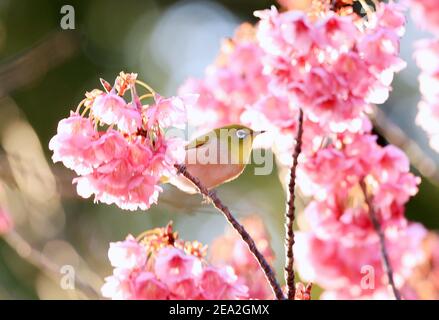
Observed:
{"x":217,"y":157}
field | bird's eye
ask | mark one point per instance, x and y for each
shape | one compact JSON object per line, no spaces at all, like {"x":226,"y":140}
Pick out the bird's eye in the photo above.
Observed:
{"x":241,"y":133}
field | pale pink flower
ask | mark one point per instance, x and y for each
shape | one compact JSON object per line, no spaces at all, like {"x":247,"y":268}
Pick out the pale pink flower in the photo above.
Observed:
{"x":106,"y":107}
{"x":328,"y":65}
{"x":119,"y":285}
{"x":390,"y":16}
{"x":172,"y":265}
{"x":148,"y":287}
{"x":72,"y":145}
{"x":170,"y":112}
{"x":342,"y":268}
{"x":186,"y":289}
{"x":125,"y":162}
{"x":161,"y":267}
{"x":380,"y":50}
{"x":333,"y":176}
{"x":115,"y":183}
{"x":426,"y":14}
{"x":110,"y":145}
{"x":334,"y":31}
{"x":128,"y":254}
{"x":112,"y":109}
{"x":220,"y":284}
{"x":129,"y":119}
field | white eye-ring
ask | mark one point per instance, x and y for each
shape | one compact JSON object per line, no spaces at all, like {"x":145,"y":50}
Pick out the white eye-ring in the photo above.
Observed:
{"x":241,"y":133}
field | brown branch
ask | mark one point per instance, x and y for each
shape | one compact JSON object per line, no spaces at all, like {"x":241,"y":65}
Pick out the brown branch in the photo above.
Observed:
{"x":384,"y":255}
{"x":269,"y":273}
{"x":290,"y":214}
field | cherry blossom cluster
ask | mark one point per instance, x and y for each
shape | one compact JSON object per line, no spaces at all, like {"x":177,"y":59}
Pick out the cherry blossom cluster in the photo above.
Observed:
{"x":338,"y":209}
{"x":119,"y":149}
{"x":356,"y":271}
{"x":333,"y":64}
{"x":160,"y":266}
{"x":340,"y":178}
{"x":324,"y":60}
{"x":426,"y":15}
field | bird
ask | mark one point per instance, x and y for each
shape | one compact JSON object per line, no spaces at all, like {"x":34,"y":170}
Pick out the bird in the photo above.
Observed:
{"x":217,"y":157}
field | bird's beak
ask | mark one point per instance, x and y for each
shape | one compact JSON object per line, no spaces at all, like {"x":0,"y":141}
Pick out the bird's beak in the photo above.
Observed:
{"x":257,"y":133}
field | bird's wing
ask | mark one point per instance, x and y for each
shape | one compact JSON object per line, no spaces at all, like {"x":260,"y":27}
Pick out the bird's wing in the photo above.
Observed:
{"x":198,"y":142}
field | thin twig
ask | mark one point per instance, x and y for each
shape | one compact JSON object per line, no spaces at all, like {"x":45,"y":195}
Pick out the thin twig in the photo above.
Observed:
{"x":384,"y":255}
{"x":290,"y":214}
{"x":269,"y":273}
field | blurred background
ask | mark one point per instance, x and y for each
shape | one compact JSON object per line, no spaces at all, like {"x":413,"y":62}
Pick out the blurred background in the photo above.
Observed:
{"x":44,"y":72}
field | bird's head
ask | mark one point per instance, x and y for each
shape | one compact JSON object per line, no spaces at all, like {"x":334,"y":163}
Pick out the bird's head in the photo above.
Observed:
{"x":239,"y":141}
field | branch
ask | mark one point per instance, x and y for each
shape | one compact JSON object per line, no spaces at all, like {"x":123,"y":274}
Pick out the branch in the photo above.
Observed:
{"x":269,"y":273}
{"x":290,"y":214}
{"x":384,"y":255}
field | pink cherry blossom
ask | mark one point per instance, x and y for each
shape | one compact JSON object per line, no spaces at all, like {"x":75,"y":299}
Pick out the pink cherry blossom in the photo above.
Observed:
{"x":125,"y":162}
{"x":333,"y":176}
{"x":73,"y":143}
{"x":127,"y":254}
{"x":314,"y":61}
{"x":220,"y":284}
{"x":160,"y":266}
{"x":170,"y":112}
{"x":172,"y":265}
{"x":426,"y":14}
{"x":107,"y":106}
{"x":148,"y":287}
{"x":119,"y":285}
{"x":342,"y":268}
